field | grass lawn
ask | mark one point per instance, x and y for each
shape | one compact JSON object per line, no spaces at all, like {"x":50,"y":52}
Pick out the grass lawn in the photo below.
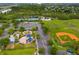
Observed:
{"x":70,"y":26}
{"x":27,"y":51}
{"x":55,"y":26}
{"x":20,"y":49}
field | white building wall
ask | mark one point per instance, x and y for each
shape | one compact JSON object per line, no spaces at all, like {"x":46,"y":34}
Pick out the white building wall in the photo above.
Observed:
{"x":5,"y":11}
{"x":45,"y":19}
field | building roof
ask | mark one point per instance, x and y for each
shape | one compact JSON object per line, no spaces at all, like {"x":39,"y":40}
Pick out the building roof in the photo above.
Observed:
{"x":23,"y":40}
{"x":12,"y":39}
{"x":28,"y":35}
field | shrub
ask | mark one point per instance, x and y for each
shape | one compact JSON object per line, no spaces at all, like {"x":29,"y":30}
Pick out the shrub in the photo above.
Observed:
{"x":38,"y":36}
{"x":4,"y":42}
{"x":53,"y":50}
{"x":34,"y":28}
{"x":45,"y":29}
{"x":50,"y":42}
{"x":41,"y":50}
{"x":5,"y":25}
{"x":11,"y":30}
{"x":22,"y":29}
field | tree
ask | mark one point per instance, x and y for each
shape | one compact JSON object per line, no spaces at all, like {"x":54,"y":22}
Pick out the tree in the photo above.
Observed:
{"x":37,"y":36}
{"x":4,"y":42}
{"x":34,"y":28}
{"x":11,"y":30}
{"x":22,"y":29}
{"x":41,"y":50}
{"x":5,"y":25}
{"x":1,"y":31}
{"x":45,"y":29}
{"x":50,"y":42}
{"x":53,"y":50}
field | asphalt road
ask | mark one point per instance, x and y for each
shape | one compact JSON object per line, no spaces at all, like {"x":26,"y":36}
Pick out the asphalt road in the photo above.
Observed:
{"x":43,"y":40}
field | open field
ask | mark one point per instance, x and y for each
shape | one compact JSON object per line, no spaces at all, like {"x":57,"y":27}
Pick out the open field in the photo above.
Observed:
{"x":70,"y":26}
{"x":67,"y":26}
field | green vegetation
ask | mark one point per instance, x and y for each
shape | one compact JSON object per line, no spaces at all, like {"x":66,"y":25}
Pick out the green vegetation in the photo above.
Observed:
{"x":69,"y":26}
{"x":65,"y":18}
{"x":45,"y":29}
{"x":4,"y":42}
{"x":19,"y":49}
{"x":41,"y":50}
{"x":22,"y":29}
{"x":50,"y":42}
{"x":34,"y":28}
{"x":55,"y":26}
{"x":5,"y":25}
{"x":65,"y":38}
{"x":1,"y":31}
{"x":58,"y":11}
{"x":11,"y":30}
{"x":53,"y":50}
{"x":27,"y":51}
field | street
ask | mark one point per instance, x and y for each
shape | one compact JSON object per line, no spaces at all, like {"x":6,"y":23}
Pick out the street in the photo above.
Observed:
{"x":43,"y":39}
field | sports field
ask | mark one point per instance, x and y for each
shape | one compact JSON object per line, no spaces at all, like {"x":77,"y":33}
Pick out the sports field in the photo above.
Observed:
{"x":65,"y":26}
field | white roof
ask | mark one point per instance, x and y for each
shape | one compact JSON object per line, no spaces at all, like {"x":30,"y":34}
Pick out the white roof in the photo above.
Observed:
{"x":12,"y":39}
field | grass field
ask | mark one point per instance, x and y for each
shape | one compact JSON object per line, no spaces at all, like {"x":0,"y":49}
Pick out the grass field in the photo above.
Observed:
{"x":20,"y":49}
{"x":27,"y":51}
{"x":69,"y":26}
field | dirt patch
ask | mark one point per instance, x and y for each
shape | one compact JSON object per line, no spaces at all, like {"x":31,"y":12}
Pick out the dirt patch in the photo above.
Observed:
{"x":73,"y":37}
{"x":10,"y":46}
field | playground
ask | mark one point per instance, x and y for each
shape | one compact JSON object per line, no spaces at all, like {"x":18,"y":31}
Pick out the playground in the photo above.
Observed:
{"x":20,"y":43}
